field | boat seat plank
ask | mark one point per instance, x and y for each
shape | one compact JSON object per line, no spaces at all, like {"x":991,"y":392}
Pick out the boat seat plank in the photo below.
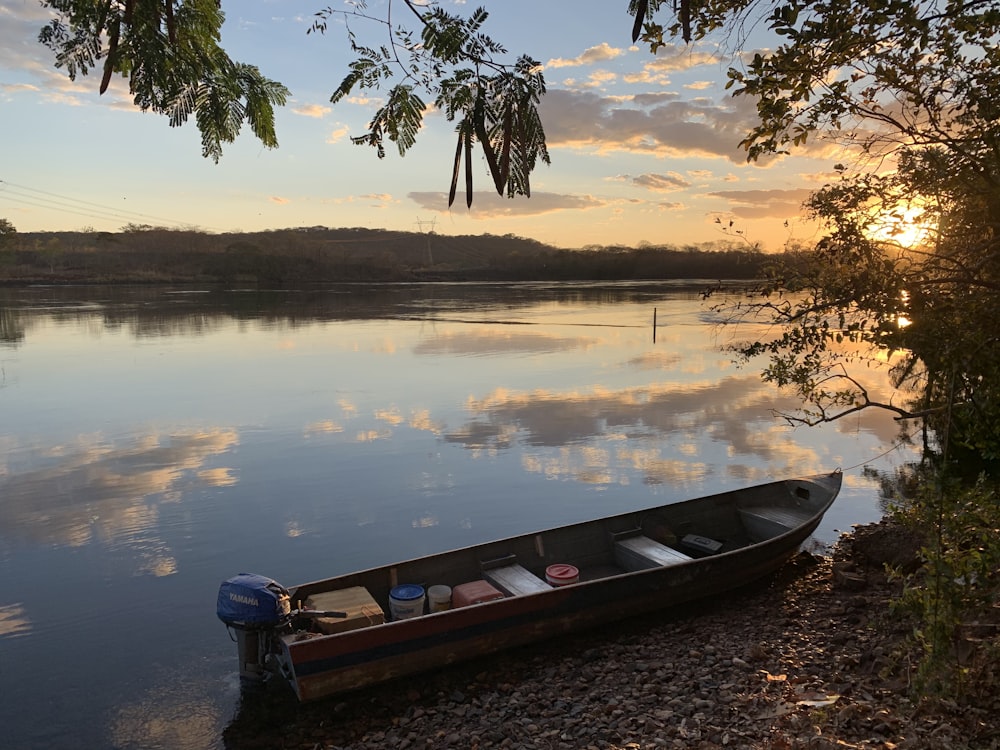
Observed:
{"x":515,"y":580}
{"x":641,"y":553}
{"x":773,"y":520}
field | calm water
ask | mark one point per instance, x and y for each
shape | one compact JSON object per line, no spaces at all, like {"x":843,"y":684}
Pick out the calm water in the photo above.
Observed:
{"x":154,"y":442}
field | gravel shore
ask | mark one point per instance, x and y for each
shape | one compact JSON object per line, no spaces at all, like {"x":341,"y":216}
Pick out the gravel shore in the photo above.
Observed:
{"x":811,"y":658}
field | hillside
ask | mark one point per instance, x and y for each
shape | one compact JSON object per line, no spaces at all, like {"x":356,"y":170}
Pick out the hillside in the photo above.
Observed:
{"x":325,"y":255}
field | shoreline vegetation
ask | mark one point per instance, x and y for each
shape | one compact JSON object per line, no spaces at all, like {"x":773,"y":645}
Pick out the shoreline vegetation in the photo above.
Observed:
{"x":142,"y":254}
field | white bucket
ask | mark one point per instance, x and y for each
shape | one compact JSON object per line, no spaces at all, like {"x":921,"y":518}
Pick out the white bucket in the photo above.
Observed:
{"x":439,"y":598}
{"x":406,"y":601}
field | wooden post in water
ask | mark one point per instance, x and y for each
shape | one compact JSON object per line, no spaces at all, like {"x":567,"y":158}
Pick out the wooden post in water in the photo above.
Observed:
{"x":654,"y":325}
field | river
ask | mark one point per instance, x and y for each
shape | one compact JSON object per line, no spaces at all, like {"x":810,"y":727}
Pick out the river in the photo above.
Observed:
{"x":156,"y":441}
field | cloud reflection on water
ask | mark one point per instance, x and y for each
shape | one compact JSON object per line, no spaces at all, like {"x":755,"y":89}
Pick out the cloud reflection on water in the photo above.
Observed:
{"x":724,"y":409}
{"x":108,"y":490}
{"x":661,"y":427}
{"x":488,"y":341}
{"x":178,"y":712}
{"x":14,"y":621}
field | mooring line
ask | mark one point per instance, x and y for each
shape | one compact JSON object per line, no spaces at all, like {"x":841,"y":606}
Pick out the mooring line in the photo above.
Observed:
{"x":902,"y":441}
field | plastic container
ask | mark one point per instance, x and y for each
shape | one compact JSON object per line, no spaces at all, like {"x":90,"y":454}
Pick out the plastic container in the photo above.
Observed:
{"x":474,"y":592}
{"x":439,"y":598}
{"x":562,"y":574}
{"x":406,"y":601}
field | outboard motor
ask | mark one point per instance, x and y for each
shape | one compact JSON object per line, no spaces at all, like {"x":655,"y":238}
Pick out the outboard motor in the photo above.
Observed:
{"x":253,"y":605}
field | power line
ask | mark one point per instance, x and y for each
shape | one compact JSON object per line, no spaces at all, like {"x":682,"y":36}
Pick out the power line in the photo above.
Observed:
{"x":27,"y":200}
{"x":29,"y":196}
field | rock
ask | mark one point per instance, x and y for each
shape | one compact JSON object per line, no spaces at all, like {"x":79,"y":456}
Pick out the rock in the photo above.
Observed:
{"x":727,"y":676}
{"x":846,"y":577}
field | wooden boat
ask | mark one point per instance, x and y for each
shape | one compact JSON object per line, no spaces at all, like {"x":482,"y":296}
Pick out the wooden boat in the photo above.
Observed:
{"x":627,"y":564}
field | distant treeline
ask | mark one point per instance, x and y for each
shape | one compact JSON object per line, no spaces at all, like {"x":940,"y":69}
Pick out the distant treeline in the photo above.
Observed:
{"x":323,"y":255}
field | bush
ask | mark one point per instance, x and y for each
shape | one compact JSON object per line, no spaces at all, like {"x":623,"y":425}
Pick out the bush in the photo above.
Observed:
{"x":954,"y":593}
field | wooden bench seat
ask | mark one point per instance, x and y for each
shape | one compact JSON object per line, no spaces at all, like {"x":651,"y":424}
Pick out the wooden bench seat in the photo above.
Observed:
{"x":767,"y":521}
{"x":641,"y":553}
{"x":515,"y":580}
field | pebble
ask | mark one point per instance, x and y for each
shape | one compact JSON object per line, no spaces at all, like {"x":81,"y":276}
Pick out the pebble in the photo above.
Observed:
{"x":749,"y":671}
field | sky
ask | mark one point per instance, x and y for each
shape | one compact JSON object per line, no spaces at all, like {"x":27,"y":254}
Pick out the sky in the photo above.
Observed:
{"x":644,"y":148}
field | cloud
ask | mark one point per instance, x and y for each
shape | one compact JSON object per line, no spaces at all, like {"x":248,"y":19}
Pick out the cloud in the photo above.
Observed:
{"x":311,"y":110}
{"x":24,"y":57}
{"x":755,"y":204}
{"x":663,"y":183}
{"x":672,"y":58}
{"x":819,"y":177}
{"x":378,"y":200}
{"x":600,"y":53}
{"x":600,"y":77}
{"x":338,"y":135}
{"x":670,"y":206}
{"x":20,"y":23}
{"x":279,"y":200}
{"x":29,"y":66}
{"x":654,"y":98}
{"x":586,"y":120}
{"x":487,"y":205}
{"x":13,"y":88}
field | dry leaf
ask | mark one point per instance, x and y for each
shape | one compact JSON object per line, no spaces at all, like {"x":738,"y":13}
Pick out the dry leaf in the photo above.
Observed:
{"x":815,"y":700}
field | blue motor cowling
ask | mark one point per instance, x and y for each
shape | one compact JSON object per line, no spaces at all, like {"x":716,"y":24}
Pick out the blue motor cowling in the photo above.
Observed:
{"x":253,"y":601}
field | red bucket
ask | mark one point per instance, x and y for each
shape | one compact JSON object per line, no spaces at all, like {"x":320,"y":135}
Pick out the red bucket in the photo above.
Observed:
{"x":562,"y":574}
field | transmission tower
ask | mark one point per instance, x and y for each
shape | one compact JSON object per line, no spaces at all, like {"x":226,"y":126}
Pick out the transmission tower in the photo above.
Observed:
{"x":430,"y":223}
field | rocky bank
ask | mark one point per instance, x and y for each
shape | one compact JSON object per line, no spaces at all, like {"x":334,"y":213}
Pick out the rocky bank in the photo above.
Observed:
{"x":812,"y":658}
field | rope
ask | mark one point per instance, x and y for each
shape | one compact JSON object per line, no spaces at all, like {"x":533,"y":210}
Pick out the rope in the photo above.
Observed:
{"x":895,"y":446}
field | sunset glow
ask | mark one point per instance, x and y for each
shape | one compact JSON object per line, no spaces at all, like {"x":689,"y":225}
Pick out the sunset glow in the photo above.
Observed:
{"x":645,"y":149}
{"x":907,"y":227}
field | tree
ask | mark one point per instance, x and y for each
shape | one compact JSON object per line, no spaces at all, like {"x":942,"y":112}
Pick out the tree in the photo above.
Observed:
{"x":450,"y":58}
{"x":910,"y":89}
{"x":169,"y":51}
{"x":7,"y":232}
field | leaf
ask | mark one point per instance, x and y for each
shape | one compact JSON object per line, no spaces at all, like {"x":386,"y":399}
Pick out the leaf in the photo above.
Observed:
{"x":685,"y":19}
{"x":112,"y":58}
{"x":468,"y":172}
{"x":505,"y":152}
{"x":171,"y":22}
{"x":455,"y":169}
{"x":816,"y":700}
{"x":479,"y":123}
{"x":641,"y":7}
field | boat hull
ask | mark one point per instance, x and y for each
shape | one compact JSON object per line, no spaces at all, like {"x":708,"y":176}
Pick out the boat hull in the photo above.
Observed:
{"x":759,"y":543}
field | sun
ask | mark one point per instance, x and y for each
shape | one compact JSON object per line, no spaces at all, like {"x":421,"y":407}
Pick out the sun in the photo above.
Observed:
{"x":906,"y":226}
